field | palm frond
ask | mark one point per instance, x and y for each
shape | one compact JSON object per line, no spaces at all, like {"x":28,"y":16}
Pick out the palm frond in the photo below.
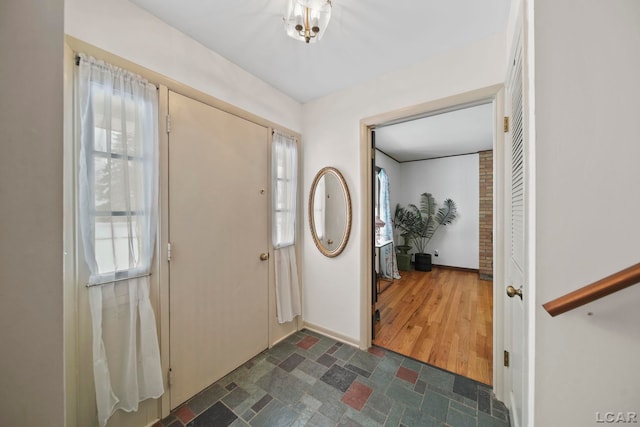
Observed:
{"x":447,"y":213}
{"x":427,"y":204}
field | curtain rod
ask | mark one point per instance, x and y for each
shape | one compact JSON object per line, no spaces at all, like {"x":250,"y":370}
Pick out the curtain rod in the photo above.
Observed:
{"x":89,"y":285}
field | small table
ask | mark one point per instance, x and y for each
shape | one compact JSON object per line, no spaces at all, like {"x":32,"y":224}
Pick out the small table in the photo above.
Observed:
{"x":379,"y":246}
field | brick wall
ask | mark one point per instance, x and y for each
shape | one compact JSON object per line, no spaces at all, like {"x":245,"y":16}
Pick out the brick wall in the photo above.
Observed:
{"x":486,"y":215}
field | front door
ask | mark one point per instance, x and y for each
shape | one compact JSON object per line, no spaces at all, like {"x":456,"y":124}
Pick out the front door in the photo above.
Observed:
{"x":218,"y":229}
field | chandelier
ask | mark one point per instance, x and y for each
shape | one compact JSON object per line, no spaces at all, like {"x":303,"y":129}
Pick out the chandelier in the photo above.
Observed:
{"x":307,"y":20}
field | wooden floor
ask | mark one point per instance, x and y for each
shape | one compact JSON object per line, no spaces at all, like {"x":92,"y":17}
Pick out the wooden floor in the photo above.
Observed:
{"x":443,"y":318}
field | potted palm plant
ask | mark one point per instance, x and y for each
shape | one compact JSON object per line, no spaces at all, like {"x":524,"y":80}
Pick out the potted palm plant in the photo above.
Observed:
{"x":421,"y":224}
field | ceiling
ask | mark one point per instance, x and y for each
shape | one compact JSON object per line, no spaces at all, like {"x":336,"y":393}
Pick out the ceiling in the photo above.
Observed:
{"x":364,"y":39}
{"x":463,"y":131}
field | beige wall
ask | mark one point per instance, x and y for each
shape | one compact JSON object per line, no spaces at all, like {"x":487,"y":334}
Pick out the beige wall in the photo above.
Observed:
{"x":31,"y":257}
{"x":587,"y":110}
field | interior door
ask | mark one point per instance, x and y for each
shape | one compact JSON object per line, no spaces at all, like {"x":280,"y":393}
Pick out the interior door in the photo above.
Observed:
{"x":515,"y":332}
{"x":218,"y":229}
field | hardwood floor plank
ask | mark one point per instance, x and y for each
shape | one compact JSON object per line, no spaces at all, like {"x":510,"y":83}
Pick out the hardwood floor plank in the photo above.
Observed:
{"x":443,"y":317}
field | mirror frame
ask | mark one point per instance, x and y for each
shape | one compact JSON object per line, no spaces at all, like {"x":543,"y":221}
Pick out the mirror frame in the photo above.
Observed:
{"x":347,"y":198}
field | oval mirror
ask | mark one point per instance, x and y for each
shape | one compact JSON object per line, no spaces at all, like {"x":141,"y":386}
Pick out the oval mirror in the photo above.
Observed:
{"x":330,"y":211}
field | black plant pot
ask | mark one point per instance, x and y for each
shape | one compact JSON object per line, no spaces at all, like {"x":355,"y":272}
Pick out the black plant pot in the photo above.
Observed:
{"x":423,"y":262}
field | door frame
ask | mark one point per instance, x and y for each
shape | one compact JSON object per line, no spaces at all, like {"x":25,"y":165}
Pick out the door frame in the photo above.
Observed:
{"x":494,"y":94}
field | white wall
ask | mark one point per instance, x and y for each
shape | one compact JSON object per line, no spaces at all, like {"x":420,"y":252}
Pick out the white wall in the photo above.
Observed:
{"x":455,"y":178}
{"x":130,"y":32}
{"x":587,"y":110}
{"x":31,"y":258}
{"x":332,"y":138}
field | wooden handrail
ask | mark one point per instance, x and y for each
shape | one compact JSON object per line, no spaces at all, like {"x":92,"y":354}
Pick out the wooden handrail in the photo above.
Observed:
{"x":596,"y":290}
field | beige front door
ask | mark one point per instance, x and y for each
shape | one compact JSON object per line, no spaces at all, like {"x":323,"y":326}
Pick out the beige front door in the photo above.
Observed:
{"x":218,"y":229}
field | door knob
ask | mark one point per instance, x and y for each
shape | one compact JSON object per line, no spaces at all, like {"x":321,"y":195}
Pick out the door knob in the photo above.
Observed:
{"x":512,"y":292}
{"x":264,"y":256}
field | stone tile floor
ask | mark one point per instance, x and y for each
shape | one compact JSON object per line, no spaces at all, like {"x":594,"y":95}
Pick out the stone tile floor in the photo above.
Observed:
{"x":311,"y":380}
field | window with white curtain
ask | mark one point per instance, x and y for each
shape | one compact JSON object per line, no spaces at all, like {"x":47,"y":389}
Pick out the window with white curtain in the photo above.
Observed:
{"x":285,"y":197}
{"x":284,"y":184}
{"x":117,"y":114}
{"x":117,"y":168}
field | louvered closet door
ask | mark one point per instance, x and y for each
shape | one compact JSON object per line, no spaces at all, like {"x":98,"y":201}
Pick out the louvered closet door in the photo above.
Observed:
{"x":217,"y":229}
{"x":514,"y":307}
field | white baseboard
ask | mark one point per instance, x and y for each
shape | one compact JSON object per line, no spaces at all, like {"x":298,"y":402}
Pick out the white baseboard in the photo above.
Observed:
{"x":332,"y":334}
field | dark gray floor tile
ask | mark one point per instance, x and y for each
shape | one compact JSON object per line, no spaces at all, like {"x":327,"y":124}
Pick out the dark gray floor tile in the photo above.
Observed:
{"x":175,"y":423}
{"x":435,"y":405}
{"x":465,"y":387}
{"x":274,"y":414}
{"x":217,"y":415}
{"x":358,"y":370}
{"x":484,"y":401}
{"x":420,"y":387}
{"x":339,"y":378}
{"x":292,"y":362}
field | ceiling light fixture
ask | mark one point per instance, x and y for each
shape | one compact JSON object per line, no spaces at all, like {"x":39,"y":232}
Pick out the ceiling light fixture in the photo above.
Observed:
{"x":307,"y":20}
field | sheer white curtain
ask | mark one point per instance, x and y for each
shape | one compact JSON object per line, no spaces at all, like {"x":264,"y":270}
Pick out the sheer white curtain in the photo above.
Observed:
{"x":118,"y":198}
{"x":386,"y":232}
{"x":284,"y":175}
{"x":319,"y":208}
